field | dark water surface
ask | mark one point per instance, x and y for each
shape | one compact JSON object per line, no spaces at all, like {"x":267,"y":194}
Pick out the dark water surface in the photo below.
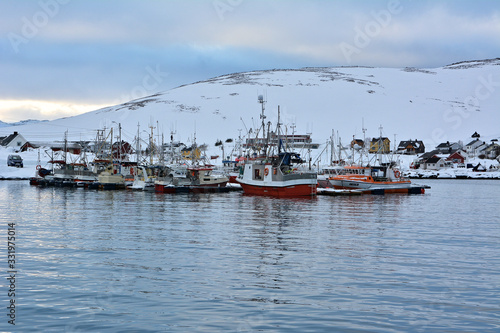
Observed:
{"x":92,"y":261}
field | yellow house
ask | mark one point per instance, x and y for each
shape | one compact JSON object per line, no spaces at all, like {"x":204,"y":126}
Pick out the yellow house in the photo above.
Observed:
{"x":380,"y":145}
{"x":191,"y":153}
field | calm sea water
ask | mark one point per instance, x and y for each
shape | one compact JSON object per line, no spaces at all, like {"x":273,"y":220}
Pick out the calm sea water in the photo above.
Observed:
{"x":125,"y":261}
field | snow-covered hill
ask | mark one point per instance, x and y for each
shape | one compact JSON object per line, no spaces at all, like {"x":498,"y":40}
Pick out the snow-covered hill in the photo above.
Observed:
{"x":22,"y":122}
{"x":433,"y":105}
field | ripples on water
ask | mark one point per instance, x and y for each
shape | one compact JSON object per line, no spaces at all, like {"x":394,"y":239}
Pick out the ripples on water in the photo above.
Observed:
{"x":118,"y":261}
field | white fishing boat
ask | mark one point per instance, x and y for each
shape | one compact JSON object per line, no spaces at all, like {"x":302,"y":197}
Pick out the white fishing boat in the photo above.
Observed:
{"x":193,"y":179}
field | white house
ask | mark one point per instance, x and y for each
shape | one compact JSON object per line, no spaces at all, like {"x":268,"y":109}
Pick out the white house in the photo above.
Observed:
{"x":447,"y":147}
{"x":14,"y":140}
{"x":434,"y":163}
{"x":471,"y":147}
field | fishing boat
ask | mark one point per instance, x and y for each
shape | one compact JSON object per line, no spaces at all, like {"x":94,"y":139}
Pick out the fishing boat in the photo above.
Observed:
{"x":277,"y":177}
{"x":64,"y":174}
{"x":194,"y":179}
{"x":326,"y":173}
{"x":188,"y":173}
{"x":109,"y":179}
{"x":41,"y":177}
{"x":144,"y":179}
{"x":376,"y":173}
{"x":272,"y":174}
{"x":376,"y":180}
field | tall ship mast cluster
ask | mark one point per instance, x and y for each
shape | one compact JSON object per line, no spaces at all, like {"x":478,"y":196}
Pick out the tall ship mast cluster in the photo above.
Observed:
{"x":264,"y":162}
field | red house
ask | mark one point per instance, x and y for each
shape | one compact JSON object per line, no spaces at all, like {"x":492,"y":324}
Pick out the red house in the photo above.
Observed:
{"x":456,"y":157}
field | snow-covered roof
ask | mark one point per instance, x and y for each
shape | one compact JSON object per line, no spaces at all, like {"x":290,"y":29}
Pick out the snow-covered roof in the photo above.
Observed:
{"x":8,"y":139}
{"x":474,"y":143}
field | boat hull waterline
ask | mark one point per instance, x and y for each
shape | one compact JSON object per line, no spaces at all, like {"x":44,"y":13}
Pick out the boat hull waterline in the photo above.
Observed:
{"x":172,"y":189}
{"x":281,"y":191}
{"x":377,"y":187}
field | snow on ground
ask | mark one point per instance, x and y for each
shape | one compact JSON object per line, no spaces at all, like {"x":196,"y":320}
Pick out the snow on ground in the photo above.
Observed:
{"x":30,"y":161}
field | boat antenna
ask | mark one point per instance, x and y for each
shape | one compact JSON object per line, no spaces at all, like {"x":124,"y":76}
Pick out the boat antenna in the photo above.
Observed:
{"x":278,"y":131}
{"x":262,"y":115}
{"x":364,"y":139}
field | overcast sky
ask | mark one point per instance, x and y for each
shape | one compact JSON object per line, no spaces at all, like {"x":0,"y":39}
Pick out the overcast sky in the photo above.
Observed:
{"x":65,"y":57}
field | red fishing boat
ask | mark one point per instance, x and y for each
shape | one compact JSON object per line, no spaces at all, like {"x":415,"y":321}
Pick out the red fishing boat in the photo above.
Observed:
{"x":275,"y":174}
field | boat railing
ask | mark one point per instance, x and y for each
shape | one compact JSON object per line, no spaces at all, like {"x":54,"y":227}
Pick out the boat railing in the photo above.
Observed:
{"x":293,"y":176}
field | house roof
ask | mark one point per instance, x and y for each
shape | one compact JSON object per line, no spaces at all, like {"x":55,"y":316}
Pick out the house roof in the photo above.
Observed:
{"x":378,"y":139}
{"x":9,"y":139}
{"x":456,"y":155}
{"x":490,"y":147}
{"x":429,"y":154}
{"x":473,"y":142}
{"x":457,"y":152}
{"x":414,"y":143}
{"x":444,"y":145}
{"x":357,"y":142}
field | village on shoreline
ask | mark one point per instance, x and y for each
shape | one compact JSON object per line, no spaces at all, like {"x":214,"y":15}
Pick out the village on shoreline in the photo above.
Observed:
{"x":475,"y":159}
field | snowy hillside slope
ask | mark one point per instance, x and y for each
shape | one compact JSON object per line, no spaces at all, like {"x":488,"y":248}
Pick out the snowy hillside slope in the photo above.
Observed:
{"x":433,"y":105}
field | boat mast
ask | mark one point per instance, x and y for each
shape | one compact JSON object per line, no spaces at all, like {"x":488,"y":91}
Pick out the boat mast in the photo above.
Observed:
{"x":162,"y":152}
{"x":293,"y":135}
{"x":278,"y":131}
{"x":332,"y":147}
{"x":172,"y":146}
{"x":364,"y":139}
{"x":65,"y":146}
{"x":111,"y":145}
{"x":151,"y":145}
{"x":138,"y":144}
{"x":120,"y":144}
{"x":263,"y":118}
